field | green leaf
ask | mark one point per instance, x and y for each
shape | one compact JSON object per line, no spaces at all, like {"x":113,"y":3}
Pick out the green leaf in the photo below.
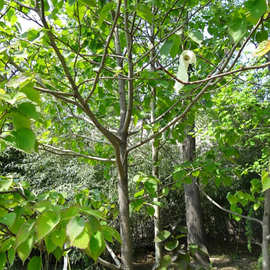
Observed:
{"x":231,"y":198}
{"x":11,"y":256}
{"x":31,"y":93}
{"x":75,"y":227}
{"x":265,"y":181}
{"x":93,"y":224}
{"x":256,"y":9}
{"x":41,"y":206}
{"x":50,"y":245}
{"x":7,"y":244}
{"x":24,"y":232}
{"x":237,"y":29}
{"x":46,"y":222}
{"x":95,"y":213}
{"x":2,"y":2}
{"x":196,"y":36}
{"x":196,"y":173}
{"x":5,"y":183}
{"x":19,"y":81}
{"x":261,"y":36}
{"x":163,"y":235}
{"x":166,"y":47}
{"x":20,"y":121}
{"x":263,"y":48}
{"x":97,"y":245}
{"x":69,"y":213}
{"x":25,"y":248}
{"x":31,"y":34}
{"x":29,"y":110}
{"x":58,"y":235}
{"x":35,"y":263}
{"x":3,"y":260}
{"x":256,"y":206}
{"x":165,"y":262}
{"x":105,"y":12}
{"x":179,"y":174}
{"x":58,"y":253}
{"x":137,"y":205}
{"x":25,"y":139}
{"x":139,"y":193}
{"x":171,"y":245}
{"x":90,"y":3}
{"x":82,"y":240}
{"x":110,"y":233}
{"x":145,"y":12}
{"x":150,"y":210}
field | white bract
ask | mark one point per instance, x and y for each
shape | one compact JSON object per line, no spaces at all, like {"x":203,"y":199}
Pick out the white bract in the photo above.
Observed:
{"x":186,"y":58}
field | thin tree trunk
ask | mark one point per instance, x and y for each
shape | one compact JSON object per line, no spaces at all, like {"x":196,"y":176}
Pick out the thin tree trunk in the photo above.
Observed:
{"x":193,"y":208}
{"x":155,"y":173}
{"x":266,"y":231}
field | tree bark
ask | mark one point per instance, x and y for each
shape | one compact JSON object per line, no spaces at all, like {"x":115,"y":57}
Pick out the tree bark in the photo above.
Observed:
{"x":126,"y":247}
{"x":193,"y":208}
{"x":266,"y":231}
{"x":155,"y":173}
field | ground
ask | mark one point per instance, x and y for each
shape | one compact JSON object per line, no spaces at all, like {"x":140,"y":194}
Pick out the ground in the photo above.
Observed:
{"x":230,"y":262}
{"x":225,"y":257}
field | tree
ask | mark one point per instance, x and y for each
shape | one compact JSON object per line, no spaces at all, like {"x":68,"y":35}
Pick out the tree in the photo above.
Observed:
{"x":88,"y":62}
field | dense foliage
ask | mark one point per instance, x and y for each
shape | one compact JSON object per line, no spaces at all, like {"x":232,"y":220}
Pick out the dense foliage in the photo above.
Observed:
{"x":93,"y":81}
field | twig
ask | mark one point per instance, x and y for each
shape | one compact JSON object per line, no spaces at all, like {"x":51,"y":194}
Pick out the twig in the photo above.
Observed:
{"x":213,"y":77}
{"x":108,"y":264}
{"x":118,"y":263}
{"x":226,"y":210}
{"x":64,"y":152}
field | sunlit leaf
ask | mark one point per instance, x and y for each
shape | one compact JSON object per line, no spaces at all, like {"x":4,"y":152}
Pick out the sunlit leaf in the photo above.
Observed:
{"x":75,"y":227}
{"x":163,"y":235}
{"x":97,"y":245}
{"x":25,"y":248}
{"x":5,"y":183}
{"x":265,"y":181}
{"x":46,"y":222}
{"x":196,"y":36}
{"x":263,"y":48}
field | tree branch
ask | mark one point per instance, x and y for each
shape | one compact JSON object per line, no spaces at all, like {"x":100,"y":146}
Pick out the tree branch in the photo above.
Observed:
{"x":118,"y":263}
{"x":213,"y":77}
{"x":108,"y":264}
{"x":24,"y":6}
{"x":228,"y":211}
{"x":117,"y":14}
{"x":64,"y":152}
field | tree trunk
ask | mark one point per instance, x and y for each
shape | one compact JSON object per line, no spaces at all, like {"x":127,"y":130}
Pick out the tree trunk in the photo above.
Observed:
{"x":126,"y":247}
{"x":266,"y":231}
{"x":193,"y":208}
{"x":157,"y":217}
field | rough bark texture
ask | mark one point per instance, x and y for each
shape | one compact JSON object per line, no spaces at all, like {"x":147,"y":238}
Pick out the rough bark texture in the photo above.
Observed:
{"x":193,"y":208}
{"x":266,"y":231}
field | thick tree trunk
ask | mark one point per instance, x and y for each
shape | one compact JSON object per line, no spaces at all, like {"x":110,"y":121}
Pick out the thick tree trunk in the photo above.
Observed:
{"x":126,"y":247}
{"x":266,"y":231}
{"x":193,"y":208}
